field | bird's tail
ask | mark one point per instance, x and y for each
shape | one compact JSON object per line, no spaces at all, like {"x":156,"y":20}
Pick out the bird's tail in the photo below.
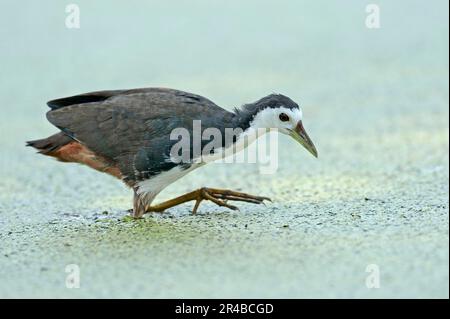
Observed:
{"x":49,"y":145}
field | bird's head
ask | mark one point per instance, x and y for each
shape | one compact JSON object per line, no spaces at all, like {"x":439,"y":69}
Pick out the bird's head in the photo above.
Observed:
{"x":279,"y":112}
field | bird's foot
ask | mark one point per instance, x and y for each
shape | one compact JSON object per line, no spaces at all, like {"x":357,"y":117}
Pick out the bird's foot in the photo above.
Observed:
{"x":217,"y":196}
{"x":222,"y":196}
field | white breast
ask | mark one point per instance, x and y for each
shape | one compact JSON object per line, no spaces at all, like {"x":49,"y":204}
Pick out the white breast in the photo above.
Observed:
{"x":153,"y":186}
{"x":243,"y":141}
{"x":157,"y":183}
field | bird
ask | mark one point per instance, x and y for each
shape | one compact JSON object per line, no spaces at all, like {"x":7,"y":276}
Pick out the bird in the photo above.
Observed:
{"x":127,"y":134}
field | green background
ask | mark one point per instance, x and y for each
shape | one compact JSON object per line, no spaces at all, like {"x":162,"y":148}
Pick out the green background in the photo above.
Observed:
{"x":375,"y":103}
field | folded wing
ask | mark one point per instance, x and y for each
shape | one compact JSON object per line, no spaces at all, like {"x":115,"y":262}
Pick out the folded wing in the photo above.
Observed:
{"x":130,"y":127}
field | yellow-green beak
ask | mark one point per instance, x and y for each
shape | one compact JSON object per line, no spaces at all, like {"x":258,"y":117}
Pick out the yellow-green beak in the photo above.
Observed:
{"x":299,"y":134}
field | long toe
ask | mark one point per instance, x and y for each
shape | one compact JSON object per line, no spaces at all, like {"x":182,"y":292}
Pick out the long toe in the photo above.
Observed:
{"x":212,"y":197}
{"x":236,"y":196}
{"x":241,"y":199}
{"x":241,"y":195}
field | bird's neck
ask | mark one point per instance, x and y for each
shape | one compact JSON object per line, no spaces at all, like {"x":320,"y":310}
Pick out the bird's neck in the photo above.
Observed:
{"x":237,"y":134}
{"x":241,"y":120}
{"x":220,"y":136}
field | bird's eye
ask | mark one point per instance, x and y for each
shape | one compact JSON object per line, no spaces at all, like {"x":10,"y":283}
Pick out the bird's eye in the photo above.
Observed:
{"x":283,"y":117}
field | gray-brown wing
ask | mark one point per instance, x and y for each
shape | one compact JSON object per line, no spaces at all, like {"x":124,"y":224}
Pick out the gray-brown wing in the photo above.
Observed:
{"x":132,"y":128}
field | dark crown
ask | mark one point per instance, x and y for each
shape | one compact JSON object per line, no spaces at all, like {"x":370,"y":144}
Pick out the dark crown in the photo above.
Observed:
{"x":248,"y":111}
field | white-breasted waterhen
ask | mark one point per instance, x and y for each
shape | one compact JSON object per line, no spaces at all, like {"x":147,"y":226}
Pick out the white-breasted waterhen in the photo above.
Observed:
{"x":126,"y":133}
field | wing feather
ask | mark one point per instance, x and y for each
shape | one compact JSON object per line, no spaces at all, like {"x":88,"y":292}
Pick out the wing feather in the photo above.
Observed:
{"x":131,"y":127}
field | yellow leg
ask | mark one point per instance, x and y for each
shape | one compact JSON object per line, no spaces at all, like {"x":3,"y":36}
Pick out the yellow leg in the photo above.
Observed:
{"x":217,"y":196}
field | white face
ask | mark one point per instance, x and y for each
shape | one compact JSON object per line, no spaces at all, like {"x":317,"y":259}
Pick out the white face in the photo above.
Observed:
{"x":281,"y":118}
